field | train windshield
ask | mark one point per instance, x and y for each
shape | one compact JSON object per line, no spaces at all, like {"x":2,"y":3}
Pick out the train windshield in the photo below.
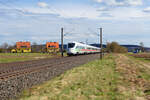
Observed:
{"x":71,"y":45}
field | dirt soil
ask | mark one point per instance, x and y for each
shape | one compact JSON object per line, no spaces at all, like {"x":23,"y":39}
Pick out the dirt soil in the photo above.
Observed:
{"x":134,"y":80}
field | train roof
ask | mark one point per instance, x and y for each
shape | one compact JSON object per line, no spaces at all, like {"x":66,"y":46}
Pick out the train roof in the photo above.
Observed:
{"x":85,"y":44}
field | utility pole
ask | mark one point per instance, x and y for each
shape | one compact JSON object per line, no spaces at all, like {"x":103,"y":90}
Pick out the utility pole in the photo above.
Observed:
{"x":62,"y":40}
{"x":101,"y":43}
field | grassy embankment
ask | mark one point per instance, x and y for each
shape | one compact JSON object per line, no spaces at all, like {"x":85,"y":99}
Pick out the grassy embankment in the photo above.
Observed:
{"x":135,"y":73}
{"x":142,"y":59}
{"x":15,"y":57}
{"x":141,"y":56}
{"x":96,"y":80}
{"x":117,"y":77}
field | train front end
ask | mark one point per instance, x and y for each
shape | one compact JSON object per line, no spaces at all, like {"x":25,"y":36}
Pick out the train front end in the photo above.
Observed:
{"x":71,"y":49}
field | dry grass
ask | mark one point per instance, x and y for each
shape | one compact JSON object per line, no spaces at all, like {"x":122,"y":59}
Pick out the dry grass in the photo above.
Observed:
{"x":117,"y":77}
{"x":141,"y":55}
{"x":134,"y":77}
{"x":15,"y":57}
{"x":93,"y":81}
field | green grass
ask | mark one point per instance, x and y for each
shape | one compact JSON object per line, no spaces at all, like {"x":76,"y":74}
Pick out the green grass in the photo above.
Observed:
{"x":96,"y":80}
{"x":15,"y":57}
{"x":139,"y":58}
{"x":7,"y":60}
{"x":143,"y":71}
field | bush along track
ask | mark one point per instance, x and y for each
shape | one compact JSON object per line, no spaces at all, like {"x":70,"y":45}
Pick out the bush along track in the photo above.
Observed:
{"x":96,"y":80}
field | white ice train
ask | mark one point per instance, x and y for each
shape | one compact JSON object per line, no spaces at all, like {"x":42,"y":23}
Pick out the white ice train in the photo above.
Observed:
{"x":76,"y":48}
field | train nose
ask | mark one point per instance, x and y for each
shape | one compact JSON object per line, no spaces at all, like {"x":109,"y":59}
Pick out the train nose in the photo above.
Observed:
{"x":70,"y":50}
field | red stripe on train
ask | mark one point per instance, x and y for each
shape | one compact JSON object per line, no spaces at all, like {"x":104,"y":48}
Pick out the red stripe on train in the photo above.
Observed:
{"x":88,"y":50}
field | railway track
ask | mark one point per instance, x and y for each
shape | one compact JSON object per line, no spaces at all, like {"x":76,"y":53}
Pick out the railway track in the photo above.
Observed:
{"x":14,"y":77}
{"x":21,"y":71}
{"x":16,"y":69}
{"x":6,"y":66}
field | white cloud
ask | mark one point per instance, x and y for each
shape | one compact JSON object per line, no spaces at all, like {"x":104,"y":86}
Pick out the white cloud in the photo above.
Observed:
{"x":121,"y":2}
{"x":102,"y":13}
{"x":99,"y":1}
{"x":80,"y":13}
{"x":42,"y":4}
{"x":103,"y":9}
{"x":147,"y":9}
{"x":40,"y":19}
{"x":134,"y":2}
{"x":131,"y":13}
{"x":74,"y":12}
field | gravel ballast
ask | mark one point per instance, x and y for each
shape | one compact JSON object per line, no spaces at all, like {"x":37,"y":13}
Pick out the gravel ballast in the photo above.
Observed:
{"x":12,"y":87}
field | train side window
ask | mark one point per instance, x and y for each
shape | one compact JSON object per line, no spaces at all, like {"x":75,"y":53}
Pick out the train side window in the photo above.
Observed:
{"x":77,"y":47}
{"x":83,"y":47}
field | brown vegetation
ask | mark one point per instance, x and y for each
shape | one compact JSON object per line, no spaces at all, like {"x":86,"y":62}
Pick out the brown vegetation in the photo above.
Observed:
{"x":134,"y":78}
{"x":114,"y":47}
{"x":141,"y":55}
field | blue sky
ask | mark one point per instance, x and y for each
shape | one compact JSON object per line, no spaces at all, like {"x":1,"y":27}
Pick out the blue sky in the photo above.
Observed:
{"x":124,"y":21}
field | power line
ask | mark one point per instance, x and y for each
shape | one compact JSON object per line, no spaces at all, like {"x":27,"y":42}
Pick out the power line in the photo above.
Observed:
{"x":20,"y":10}
{"x":93,"y":32}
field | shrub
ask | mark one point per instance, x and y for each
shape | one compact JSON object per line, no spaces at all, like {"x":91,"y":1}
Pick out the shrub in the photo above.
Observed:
{"x":114,"y":47}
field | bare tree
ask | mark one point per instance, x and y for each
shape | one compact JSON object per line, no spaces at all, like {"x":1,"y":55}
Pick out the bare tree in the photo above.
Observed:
{"x":34,"y":47}
{"x":4,"y":45}
{"x":142,"y":46}
{"x":34,"y":43}
{"x":10,"y":47}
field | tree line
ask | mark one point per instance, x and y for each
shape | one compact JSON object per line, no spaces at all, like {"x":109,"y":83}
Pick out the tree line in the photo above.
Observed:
{"x":112,"y":47}
{"x":6,"y":48}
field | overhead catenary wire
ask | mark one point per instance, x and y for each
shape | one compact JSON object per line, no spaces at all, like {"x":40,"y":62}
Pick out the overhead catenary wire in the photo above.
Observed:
{"x":59,"y":12}
{"x":21,"y":11}
{"x":10,"y":7}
